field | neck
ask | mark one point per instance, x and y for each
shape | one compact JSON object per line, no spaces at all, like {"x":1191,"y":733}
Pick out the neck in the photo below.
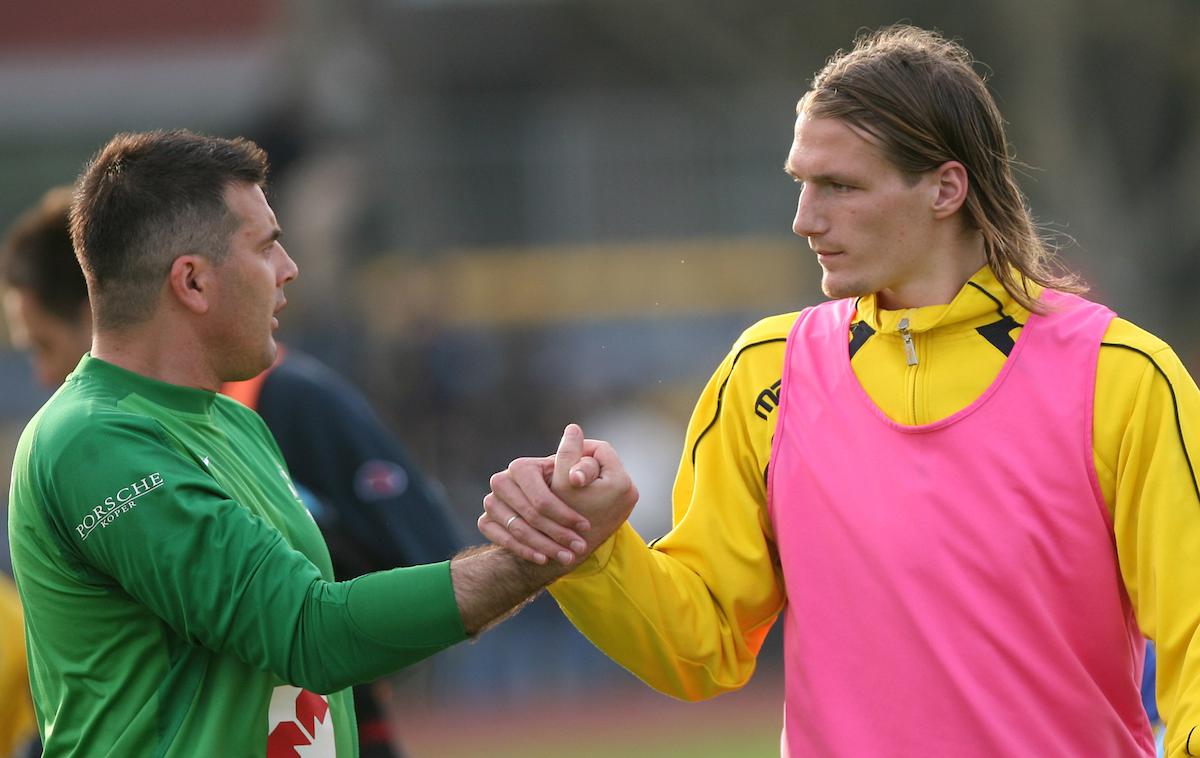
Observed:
{"x":940,"y":279}
{"x":158,"y":353}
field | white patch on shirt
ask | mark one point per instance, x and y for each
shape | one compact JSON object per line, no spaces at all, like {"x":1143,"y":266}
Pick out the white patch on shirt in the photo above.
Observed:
{"x":299,"y":725}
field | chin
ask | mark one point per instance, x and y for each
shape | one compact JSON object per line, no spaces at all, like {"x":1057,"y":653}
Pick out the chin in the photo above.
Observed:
{"x":837,"y":288}
{"x":250,"y":368}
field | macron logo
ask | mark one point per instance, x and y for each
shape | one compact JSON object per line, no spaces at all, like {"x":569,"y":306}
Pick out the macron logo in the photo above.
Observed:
{"x":117,"y":505}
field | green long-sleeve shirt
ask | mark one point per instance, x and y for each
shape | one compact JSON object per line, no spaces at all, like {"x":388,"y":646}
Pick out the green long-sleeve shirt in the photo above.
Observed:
{"x":179,"y":598}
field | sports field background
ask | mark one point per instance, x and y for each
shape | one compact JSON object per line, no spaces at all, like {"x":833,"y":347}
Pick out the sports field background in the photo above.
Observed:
{"x":629,"y":721}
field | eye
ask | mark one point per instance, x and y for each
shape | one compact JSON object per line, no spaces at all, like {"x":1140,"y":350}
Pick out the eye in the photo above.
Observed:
{"x":839,"y":187}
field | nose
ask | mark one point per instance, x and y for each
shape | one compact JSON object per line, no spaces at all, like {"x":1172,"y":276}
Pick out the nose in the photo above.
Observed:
{"x":289,"y":271}
{"x":809,"y":221}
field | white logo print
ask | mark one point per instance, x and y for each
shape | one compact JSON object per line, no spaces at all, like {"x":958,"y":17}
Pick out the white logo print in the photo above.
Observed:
{"x":117,"y":505}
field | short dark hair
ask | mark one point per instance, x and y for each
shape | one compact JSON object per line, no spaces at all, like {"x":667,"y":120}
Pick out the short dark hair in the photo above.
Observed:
{"x":38,"y":257}
{"x":919,"y":95}
{"x":144,"y":200}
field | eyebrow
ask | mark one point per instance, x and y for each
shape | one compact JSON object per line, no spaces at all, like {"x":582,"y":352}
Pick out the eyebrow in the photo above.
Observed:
{"x":275,"y":234}
{"x":818,"y":179}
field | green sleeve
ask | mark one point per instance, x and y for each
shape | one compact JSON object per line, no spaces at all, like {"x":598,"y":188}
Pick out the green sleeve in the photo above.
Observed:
{"x":132,"y":509}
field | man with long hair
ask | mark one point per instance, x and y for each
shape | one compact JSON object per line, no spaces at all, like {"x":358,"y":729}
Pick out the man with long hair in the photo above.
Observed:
{"x":967,"y":489}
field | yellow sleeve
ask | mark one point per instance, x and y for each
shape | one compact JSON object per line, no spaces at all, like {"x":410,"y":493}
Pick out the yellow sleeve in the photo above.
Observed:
{"x":16,"y":718}
{"x":688,"y":614}
{"x":1147,"y":439}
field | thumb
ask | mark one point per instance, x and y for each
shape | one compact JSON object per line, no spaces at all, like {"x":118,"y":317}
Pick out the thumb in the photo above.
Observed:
{"x":570,"y":450}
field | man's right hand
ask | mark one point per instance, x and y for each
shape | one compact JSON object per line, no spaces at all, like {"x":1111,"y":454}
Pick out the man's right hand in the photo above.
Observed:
{"x":561,"y":506}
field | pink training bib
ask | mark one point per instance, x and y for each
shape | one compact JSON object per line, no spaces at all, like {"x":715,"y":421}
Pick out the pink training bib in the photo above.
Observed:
{"x":953,"y":588}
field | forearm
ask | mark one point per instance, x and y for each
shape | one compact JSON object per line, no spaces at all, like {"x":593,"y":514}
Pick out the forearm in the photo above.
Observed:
{"x":344,"y":633}
{"x":490,"y":584}
{"x":675,"y":626}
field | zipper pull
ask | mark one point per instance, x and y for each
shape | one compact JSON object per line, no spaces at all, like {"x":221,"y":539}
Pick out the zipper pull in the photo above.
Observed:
{"x":910,"y":350}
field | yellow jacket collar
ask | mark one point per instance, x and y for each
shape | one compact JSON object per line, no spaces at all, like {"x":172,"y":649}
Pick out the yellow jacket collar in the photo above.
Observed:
{"x":981,"y":300}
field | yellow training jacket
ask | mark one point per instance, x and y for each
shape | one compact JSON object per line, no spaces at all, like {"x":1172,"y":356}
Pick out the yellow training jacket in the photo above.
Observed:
{"x":688,"y":614}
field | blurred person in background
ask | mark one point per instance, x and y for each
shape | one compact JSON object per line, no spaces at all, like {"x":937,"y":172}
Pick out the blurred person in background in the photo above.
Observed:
{"x":45,"y":295}
{"x":179,"y":598}
{"x":968,"y":490}
{"x":18,"y":729}
{"x":375,"y":508}
{"x":46,"y":309}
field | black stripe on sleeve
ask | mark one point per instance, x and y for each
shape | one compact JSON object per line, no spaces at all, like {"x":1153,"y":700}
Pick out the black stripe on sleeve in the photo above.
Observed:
{"x":1174,"y":404}
{"x":721,"y":393}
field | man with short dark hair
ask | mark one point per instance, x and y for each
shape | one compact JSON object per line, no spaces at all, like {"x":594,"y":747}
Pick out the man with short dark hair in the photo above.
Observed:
{"x":375,"y":507}
{"x":966,"y":489}
{"x":179,"y":598}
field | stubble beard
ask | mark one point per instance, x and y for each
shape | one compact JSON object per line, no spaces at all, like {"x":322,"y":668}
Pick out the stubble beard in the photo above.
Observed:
{"x":249,"y":367}
{"x":836,"y":290}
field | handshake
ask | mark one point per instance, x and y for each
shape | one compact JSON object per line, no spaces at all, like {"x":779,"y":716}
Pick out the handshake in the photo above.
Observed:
{"x":562,"y":506}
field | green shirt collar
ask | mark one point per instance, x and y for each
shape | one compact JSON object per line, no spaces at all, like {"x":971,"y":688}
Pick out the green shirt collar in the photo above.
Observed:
{"x":174,"y":396}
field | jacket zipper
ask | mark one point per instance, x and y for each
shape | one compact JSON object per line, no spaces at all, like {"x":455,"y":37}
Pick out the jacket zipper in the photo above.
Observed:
{"x":911,"y":379}
{"x":910,"y":350}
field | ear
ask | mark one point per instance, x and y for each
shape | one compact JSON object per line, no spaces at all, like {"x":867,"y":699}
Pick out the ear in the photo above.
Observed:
{"x":191,"y":282}
{"x":951,"y":185}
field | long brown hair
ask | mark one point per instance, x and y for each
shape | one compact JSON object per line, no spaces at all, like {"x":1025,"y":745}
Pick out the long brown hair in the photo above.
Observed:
{"x":919,"y":96}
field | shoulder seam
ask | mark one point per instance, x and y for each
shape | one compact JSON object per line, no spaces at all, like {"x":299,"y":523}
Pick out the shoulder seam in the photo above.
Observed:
{"x":1174,"y":404}
{"x":721,"y":391}
{"x":1154,"y":344}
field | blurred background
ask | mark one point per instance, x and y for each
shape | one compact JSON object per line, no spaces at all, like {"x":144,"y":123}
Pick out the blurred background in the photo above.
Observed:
{"x":510,"y":214}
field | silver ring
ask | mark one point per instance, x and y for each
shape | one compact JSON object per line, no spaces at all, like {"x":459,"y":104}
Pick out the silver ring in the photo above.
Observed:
{"x":512,"y":518}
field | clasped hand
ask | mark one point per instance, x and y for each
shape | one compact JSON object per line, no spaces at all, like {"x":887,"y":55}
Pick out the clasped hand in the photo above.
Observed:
{"x":561,"y":506}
